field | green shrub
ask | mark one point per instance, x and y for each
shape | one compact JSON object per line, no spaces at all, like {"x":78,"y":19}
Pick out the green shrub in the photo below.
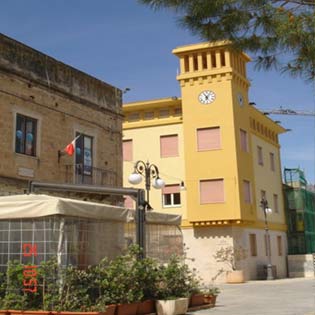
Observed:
{"x":125,"y":279}
{"x":176,"y":279}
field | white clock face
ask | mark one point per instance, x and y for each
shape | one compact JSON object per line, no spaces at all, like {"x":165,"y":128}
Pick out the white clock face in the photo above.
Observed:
{"x":206,"y":97}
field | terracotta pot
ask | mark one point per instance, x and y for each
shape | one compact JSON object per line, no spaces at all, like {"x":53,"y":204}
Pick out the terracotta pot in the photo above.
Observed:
{"x":110,"y":309}
{"x":146,"y":307}
{"x":71,"y":313}
{"x":214,"y":299}
{"x":15,"y":312}
{"x":235,"y":276}
{"x":209,"y":299}
{"x":127,"y":309}
{"x":196,"y":299}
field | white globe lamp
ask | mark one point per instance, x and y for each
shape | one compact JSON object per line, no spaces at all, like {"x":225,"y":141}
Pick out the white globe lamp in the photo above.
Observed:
{"x":135,"y":179}
{"x":158,"y":183}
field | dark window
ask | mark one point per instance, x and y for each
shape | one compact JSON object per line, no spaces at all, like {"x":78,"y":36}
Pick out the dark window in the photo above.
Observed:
{"x":167,"y":199}
{"x":176,"y":199}
{"x":171,"y":196}
{"x":253,"y":244}
{"x":84,"y":154}
{"x":171,"y":199}
{"x":25,"y":135}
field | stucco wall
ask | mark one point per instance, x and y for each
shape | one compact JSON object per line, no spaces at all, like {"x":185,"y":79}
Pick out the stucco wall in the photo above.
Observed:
{"x":146,"y":147}
{"x":202,"y":244}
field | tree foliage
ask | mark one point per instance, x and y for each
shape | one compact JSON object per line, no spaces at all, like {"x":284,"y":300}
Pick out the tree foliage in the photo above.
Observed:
{"x":280,"y":34}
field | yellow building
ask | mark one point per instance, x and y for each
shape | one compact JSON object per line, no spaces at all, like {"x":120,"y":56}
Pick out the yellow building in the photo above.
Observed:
{"x":224,"y":150}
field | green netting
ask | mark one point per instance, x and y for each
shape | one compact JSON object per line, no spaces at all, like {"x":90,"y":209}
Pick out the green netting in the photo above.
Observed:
{"x":294,"y":177}
{"x":300,"y":204}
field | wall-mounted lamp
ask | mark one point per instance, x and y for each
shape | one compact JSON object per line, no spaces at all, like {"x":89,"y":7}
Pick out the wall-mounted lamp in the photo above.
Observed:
{"x":182,"y":186}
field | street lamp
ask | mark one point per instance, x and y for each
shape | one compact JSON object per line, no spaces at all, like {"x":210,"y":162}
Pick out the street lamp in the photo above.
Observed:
{"x":148,"y":171}
{"x":264,"y":205}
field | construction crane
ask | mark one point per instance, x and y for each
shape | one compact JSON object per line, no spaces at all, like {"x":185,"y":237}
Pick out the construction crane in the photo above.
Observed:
{"x":286,"y":111}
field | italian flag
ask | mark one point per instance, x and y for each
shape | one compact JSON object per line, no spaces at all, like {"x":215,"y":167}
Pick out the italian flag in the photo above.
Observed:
{"x":70,"y":148}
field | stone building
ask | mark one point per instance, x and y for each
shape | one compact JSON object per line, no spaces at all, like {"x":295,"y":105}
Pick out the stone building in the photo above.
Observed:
{"x":44,"y":105}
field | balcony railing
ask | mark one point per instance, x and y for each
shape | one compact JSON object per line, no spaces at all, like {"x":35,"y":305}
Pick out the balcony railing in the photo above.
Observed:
{"x":78,"y":174}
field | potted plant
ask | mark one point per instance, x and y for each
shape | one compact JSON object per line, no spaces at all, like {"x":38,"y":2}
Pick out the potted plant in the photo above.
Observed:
{"x":230,"y":256}
{"x":57,"y":291}
{"x":173,"y":287}
{"x":147,"y":275}
{"x":196,"y":294}
{"x":120,"y":282}
{"x":210,"y":294}
{"x":196,"y":297}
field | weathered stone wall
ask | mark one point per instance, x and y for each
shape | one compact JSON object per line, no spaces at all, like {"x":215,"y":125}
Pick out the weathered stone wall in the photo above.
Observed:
{"x":301,"y":266}
{"x":69,"y":102}
{"x":39,"y":68}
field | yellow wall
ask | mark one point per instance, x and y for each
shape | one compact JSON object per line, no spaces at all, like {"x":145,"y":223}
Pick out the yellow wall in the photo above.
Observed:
{"x":146,"y":146}
{"x":267,"y":180}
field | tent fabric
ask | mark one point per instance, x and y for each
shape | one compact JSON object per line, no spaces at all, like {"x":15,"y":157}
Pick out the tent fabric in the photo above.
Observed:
{"x":163,"y":218}
{"x":39,"y":205}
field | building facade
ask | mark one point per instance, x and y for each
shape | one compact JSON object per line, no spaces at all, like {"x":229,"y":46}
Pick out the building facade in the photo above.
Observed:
{"x":44,"y":105}
{"x":225,"y":151}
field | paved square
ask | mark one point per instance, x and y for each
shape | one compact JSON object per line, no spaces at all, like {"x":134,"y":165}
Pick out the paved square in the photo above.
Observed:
{"x":276,"y":297}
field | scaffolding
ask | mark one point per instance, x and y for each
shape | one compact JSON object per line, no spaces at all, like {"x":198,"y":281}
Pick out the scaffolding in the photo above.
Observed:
{"x":300,"y":205}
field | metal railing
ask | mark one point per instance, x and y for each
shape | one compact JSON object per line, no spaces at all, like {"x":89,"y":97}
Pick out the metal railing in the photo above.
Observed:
{"x":78,"y":174}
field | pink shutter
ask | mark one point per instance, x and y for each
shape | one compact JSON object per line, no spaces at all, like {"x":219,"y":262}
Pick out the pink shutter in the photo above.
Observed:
{"x":244,"y":146}
{"x":169,"y":146}
{"x":171,"y":189}
{"x":128,"y":203}
{"x":208,"y":139}
{"x":127,"y":150}
{"x":211,"y":191}
{"x":247,"y":192}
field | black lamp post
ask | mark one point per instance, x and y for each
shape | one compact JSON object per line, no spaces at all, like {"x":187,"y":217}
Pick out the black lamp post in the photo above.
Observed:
{"x":264,"y":205}
{"x":149,"y":172}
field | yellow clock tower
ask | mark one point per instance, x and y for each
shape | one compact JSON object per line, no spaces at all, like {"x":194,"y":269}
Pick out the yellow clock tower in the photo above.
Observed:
{"x":214,"y":92}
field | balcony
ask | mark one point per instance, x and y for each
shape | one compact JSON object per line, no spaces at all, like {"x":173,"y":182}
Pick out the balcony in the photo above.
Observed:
{"x":78,"y":174}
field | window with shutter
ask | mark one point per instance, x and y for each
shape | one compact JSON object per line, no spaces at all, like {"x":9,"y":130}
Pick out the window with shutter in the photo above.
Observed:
{"x":211,"y":191}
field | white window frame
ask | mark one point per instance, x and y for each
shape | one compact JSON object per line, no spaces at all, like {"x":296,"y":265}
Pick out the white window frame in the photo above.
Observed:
{"x":172,"y":205}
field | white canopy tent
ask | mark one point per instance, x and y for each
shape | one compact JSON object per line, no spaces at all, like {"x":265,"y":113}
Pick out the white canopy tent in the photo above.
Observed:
{"x":76,"y":231}
{"x":36,"y":206}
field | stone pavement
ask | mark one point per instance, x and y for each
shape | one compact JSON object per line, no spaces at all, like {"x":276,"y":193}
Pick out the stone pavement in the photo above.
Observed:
{"x":275,"y":297}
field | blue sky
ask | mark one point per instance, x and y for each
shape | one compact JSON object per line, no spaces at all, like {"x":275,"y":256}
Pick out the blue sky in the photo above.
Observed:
{"x":128,"y":45}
